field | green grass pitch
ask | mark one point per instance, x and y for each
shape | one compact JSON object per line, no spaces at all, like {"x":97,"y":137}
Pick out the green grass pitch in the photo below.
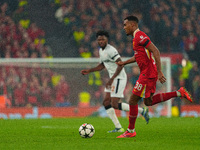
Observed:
{"x":62,"y":134}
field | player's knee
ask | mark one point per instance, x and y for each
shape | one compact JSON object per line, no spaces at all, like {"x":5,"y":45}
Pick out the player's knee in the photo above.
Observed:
{"x":134,"y":99}
{"x":106,"y":102}
{"x":148,"y":103}
{"x":114,"y":104}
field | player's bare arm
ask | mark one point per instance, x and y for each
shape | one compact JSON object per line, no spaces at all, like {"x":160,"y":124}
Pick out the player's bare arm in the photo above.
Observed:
{"x":118,"y":70}
{"x":97,"y":68}
{"x":122,"y":63}
{"x":156,"y":55}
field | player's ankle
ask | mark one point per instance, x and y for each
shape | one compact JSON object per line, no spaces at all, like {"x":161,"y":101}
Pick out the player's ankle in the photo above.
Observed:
{"x":131,"y":130}
{"x":178,"y":94}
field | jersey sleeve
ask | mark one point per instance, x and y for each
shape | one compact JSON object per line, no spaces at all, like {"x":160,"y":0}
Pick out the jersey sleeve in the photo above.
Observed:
{"x":143,"y":39}
{"x":114,"y":55}
{"x":100,"y":60}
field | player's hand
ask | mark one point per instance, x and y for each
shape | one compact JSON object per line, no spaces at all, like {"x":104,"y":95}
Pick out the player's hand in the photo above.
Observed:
{"x":120,"y":63}
{"x":161,"y":77}
{"x":84,"y":72}
{"x":109,"y":83}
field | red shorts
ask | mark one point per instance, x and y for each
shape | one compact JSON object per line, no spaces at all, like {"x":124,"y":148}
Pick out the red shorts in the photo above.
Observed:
{"x":144,"y":87}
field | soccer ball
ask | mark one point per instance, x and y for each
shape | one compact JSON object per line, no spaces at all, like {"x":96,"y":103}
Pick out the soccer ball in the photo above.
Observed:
{"x":86,"y":130}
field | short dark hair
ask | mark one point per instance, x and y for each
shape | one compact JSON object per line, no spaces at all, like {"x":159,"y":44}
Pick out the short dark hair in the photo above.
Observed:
{"x":132,"y":18}
{"x":101,"y":33}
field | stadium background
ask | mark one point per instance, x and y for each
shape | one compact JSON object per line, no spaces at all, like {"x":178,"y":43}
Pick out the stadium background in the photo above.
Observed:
{"x":50,"y":29}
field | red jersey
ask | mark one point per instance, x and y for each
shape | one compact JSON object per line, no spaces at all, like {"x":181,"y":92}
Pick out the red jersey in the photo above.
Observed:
{"x":143,"y":56}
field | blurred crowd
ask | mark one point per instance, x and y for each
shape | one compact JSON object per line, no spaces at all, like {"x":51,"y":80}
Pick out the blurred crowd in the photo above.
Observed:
{"x":30,"y":86}
{"x":19,"y":36}
{"x":22,"y":38}
{"x":174,"y":26}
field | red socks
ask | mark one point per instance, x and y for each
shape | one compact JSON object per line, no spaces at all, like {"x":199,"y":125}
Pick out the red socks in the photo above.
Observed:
{"x":132,"y":116}
{"x":161,"y":97}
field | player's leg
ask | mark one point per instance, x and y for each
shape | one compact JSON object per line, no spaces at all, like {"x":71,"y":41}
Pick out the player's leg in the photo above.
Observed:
{"x":111,"y":113}
{"x":117,"y":104}
{"x":133,"y":103}
{"x":143,"y":111}
{"x":113,"y":103}
{"x":118,"y":92}
{"x":139,"y":91}
{"x":162,"y":97}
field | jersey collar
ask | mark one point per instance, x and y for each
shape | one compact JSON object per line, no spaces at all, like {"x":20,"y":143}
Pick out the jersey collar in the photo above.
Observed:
{"x":105,"y":47}
{"x":135,"y":32}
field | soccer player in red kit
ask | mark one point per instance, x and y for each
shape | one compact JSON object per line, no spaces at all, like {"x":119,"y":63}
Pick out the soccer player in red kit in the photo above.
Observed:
{"x":150,"y":72}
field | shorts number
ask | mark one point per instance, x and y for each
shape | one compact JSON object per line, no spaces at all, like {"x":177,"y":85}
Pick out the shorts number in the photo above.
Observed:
{"x":112,"y":88}
{"x":138,"y":86}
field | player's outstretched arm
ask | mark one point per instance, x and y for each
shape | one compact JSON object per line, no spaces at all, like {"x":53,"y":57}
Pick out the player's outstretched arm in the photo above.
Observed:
{"x":97,"y":68}
{"x":156,"y":55}
{"x":122,"y":63}
{"x":117,"y":71}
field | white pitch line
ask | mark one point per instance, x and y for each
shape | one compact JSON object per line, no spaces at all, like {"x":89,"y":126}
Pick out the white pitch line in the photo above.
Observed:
{"x":54,"y":127}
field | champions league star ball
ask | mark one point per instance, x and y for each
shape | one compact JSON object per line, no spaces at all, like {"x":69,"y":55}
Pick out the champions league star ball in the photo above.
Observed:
{"x":86,"y":130}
